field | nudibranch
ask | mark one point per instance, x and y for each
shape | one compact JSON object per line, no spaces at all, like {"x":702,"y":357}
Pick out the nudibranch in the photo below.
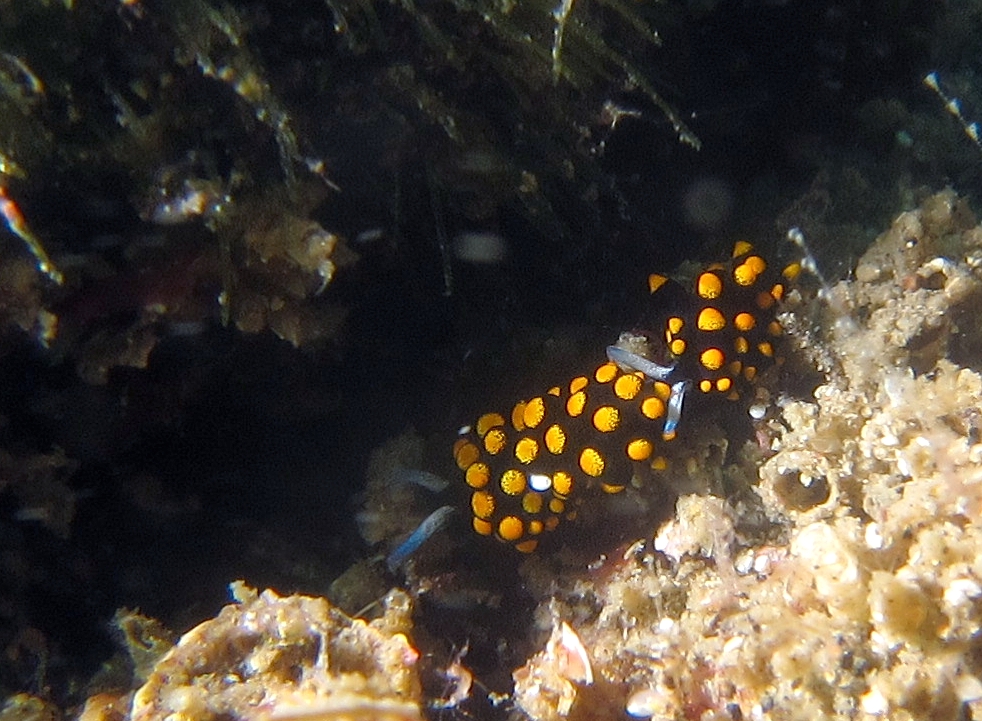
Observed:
{"x":527,"y":470}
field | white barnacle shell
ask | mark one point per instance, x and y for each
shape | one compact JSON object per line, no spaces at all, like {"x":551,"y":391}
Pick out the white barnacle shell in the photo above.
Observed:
{"x":571,"y":655}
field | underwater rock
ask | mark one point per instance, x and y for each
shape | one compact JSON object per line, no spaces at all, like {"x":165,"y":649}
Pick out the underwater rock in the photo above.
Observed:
{"x":273,"y":657}
{"x":861,"y":599}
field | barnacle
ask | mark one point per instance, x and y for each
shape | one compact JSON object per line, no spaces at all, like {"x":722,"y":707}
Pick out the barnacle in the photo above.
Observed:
{"x":563,"y":665}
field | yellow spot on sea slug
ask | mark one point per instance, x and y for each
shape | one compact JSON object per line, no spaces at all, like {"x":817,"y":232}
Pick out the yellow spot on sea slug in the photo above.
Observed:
{"x":591,"y":462}
{"x":482,"y":526}
{"x":606,"y":373}
{"x":749,"y":270}
{"x":710,"y":319}
{"x":535,"y":411}
{"x":656,"y":281}
{"x":512,"y":482}
{"x":709,"y":286}
{"x":555,"y":438}
{"x":606,"y":419}
{"x":478,"y":475}
{"x":518,"y":416}
{"x":562,"y":483}
{"x":526,"y":450}
{"x":532,"y":503}
{"x":510,"y":528}
{"x":465,"y":453}
{"x":578,"y":384}
{"x":640,"y":449}
{"x":744,"y":322}
{"x":482,"y":504}
{"x":627,"y":387}
{"x":487,"y":422}
{"x":712,"y":359}
{"x":494,"y":441}
{"x":653,"y":407}
{"x":575,"y":403}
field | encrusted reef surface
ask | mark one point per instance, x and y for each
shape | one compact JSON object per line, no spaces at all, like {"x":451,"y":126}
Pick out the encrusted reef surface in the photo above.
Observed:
{"x":847,"y":584}
{"x":272,"y":657}
{"x":867,"y":602}
{"x":241,"y":244}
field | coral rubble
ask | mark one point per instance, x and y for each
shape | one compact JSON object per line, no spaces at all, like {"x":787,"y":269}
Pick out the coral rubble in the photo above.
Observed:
{"x":852,"y":588}
{"x":393,"y":186}
{"x":293,"y":657}
{"x":863,"y":598}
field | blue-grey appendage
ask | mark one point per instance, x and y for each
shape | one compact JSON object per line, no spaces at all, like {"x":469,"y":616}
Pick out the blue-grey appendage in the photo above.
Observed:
{"x":432,"y":524}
